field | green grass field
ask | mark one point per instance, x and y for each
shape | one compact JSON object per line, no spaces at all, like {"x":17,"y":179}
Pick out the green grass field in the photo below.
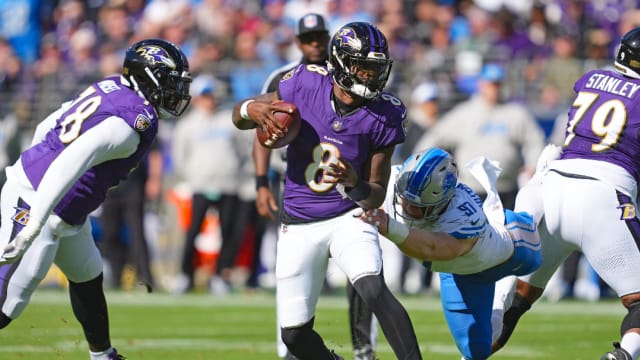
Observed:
{"x":201,"y":326}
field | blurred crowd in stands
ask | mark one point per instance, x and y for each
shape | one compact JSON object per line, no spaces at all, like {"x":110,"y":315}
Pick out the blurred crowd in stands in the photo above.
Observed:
{"x":51,"y":49}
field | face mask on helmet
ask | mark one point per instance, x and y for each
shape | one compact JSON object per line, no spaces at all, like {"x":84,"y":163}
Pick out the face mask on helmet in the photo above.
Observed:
{"x":628,"y":57}
{"x":176,"y":98}
{"x":160,"y":71}
{"x":359,"y":59}
{"x":425,"y":186}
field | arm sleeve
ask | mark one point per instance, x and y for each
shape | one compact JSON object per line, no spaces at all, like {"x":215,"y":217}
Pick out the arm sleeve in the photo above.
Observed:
{"x":111,"y":139}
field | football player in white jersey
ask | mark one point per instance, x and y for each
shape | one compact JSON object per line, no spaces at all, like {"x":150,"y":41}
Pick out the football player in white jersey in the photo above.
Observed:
{"x":432,"y":217}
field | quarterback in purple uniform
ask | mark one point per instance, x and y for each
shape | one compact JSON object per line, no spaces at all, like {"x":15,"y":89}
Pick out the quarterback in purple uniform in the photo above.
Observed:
{"x":587,"y":199}
{"x":78,"y":152}
{"x":340,"y":162}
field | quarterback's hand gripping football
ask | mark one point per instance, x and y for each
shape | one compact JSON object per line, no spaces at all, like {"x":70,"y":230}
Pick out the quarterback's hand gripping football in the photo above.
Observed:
{"x":14,"y":250}
{"x":262,"y":113}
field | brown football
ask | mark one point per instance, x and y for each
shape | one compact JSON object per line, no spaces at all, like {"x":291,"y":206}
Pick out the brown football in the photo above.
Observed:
{"x":290,"y":121}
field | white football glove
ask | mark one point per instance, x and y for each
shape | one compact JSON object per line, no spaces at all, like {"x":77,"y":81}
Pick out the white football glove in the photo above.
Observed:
{"x":550,"y":153}
{"x":14,"y":250}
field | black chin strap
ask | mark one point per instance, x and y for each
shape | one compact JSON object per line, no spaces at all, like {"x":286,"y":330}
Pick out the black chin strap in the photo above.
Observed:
{"x":341,"y":108}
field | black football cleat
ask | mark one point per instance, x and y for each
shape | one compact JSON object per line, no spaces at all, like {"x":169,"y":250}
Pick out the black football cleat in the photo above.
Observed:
{"x":618,"y":353}
{"x":115,"y":356}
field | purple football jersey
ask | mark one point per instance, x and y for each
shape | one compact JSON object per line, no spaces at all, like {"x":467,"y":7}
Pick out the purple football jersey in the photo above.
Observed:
{"x":108,"y":97}
{"x":325,"y":135}
{"x":604,"y":120}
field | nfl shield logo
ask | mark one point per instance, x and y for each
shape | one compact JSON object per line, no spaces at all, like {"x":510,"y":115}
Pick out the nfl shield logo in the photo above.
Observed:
{"x":310,"y":21}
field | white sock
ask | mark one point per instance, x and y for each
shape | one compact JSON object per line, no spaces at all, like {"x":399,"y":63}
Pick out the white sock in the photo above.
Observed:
{"x":631,"y":342}
{"x":102,"y":355}
{"x":504,"y":291}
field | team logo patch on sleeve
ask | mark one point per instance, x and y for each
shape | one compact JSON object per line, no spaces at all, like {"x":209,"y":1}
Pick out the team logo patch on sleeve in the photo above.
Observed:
{"x":628,"y":211}
{"x":288,"y":75}
{"x":142,"y":122}
{"x":21,"y":216}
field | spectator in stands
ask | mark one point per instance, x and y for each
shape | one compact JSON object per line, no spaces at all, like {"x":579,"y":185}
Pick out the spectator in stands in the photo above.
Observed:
{"x":206,"y":131}
{"x":423,"y":112}
{"x":562,"y":68}
{"x":486,"y":125}
{"x":11,"y":73}
{"x":124,"y":239}
{"x":21,"y":24}
{"x":114,"y":27}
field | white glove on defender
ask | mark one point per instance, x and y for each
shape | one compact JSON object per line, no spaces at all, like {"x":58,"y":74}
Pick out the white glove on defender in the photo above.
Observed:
{"x":14,"y":250}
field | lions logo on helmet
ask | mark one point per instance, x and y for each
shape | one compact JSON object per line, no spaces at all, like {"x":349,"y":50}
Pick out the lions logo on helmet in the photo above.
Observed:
{"x":155,"y":55}
{"x":427,"y":180}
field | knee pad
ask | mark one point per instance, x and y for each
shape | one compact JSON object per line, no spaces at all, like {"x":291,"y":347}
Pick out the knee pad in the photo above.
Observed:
{"x":297,"y":336}
{"x":632,"y":320}
{"x":4,"y":320}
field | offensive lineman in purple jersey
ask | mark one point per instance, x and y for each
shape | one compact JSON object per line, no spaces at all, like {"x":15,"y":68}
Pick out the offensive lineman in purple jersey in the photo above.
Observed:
{"x":78,"y":152}
{"x":339,"y":162}
{"x":587,"y":199}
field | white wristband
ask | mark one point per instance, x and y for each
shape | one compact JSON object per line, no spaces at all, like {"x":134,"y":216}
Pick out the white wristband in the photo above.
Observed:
{"x":244,"y":109}
{"x":397,"y":231}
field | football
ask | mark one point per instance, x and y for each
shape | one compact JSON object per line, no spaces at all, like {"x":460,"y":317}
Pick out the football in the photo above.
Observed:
{"x":290,"y":121}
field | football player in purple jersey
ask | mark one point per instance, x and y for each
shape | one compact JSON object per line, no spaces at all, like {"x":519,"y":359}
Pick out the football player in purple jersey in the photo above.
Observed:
{"x":312,"y":38}
{"x":340,"y":162}
{"x":587,"y":199}
{"x":78,"y":152}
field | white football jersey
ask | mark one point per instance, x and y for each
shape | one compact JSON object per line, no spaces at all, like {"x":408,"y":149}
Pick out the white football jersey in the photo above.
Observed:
{"x":463,"y":219}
